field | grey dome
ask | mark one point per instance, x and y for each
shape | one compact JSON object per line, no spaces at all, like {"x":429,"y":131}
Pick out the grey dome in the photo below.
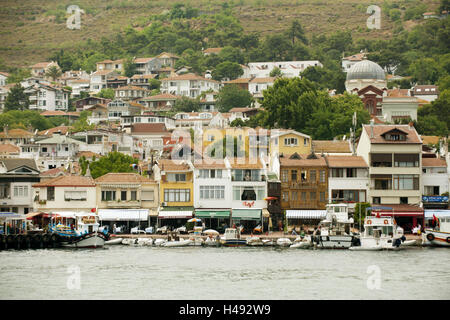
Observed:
{"x":366,"y":69}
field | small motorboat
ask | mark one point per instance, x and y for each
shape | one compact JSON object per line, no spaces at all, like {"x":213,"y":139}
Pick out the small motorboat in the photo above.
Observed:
{"x":144,"y":241}
{"x":232,"y":238}
{"x":114,"y":241}
{"x":409,"y":243}
{"x":284,"y":242}
{"x":180,"y":243}
{"x":196,"y":241}
{"x":85,"y":235}
{"x":267,"y":242}
{"x":440,"y":234}
{"x":130,"y":241}
{"x":159,"y":242}
{"x":254,"y":241}
{"x":211,"y":242}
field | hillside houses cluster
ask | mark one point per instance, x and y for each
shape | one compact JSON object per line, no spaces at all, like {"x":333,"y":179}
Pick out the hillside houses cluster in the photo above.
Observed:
{"x":273,"y":178}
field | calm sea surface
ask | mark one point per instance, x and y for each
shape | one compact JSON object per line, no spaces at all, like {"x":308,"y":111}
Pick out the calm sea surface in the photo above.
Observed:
{"x":124,"y":272}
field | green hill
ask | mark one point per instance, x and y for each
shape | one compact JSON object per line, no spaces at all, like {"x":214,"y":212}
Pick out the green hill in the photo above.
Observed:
{"x":34,"y":30}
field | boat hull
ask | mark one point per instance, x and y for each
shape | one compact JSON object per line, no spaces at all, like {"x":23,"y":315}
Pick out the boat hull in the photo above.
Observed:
{"x":335,"y":242}
{"x":234,"y":242}
{"x":183,"y":243}
{"x":114,"y":241}
{"x":88,"y":241}
{"x":438,"y":238}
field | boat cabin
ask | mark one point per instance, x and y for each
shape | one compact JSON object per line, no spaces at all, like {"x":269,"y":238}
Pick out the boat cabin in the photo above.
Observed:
{"x":337,"y":221}
{"x":232,"y":233}
{"x":377,"y":226}
{"x":87,"y":223}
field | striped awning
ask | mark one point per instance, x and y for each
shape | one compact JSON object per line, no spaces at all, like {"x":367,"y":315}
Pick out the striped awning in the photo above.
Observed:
{"x":306,"y":214}
{"x":212,"y":213}
{"x":246,"y":214}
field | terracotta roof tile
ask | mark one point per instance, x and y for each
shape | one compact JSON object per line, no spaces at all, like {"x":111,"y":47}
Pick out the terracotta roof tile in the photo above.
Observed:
{"x":378,"y":130}
{"x":433,"y":162}
{"x":346,"y":162}
{"x":331,"y":146}
{"x":303,"y":162}
{"x":6,"y":148}
{"x":122,"y":178}
{"x":148,"y":128}
{"x":67,"y":181}
{"x":173,"y":165}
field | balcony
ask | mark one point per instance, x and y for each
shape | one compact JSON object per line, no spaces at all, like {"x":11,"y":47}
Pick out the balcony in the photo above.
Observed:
{"x":297,"y":204}
{"x":299,"y":185}
{"x":123,"y":204}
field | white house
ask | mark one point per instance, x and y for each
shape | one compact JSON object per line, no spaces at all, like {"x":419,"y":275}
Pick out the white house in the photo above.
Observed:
{"x":396,"y":105}
{"x":65,"y":194}
{"x":348,"y":179}
{"x":127,"y":121}
{"x":289,"y":69}
{"x":425,"y":92}
{"x":98,"y":79}
{"x":47,"y":97}
{"x":348,"y":62}
{"x":189,"y":85}
{"x":16,"y":179}
{"x":3,"y":77}
{"x":39,"y":69}
{"x":147,"y":65}
{"x":257,"y":85}
{"x":435,"y":179}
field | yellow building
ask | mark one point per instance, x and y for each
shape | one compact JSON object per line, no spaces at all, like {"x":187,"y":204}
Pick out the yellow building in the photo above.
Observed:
{"x":176,"y":190}
{"x":288,"y":142}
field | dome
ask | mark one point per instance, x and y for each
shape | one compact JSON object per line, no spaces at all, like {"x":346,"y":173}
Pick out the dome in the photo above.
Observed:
{"x":366,"y":69}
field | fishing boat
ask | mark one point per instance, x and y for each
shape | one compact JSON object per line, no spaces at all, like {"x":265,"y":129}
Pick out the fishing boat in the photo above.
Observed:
{"x":232,"y":238}
{"x":440,"y":234}
{"x":84,"y":234}
{"x":334,"y":231}
{"x":380,"y":233}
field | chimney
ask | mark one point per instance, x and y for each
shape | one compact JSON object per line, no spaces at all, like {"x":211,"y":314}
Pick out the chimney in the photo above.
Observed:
{"x":371,"y":128}
{"x":5,"y":129}
{"x":411,"y":125}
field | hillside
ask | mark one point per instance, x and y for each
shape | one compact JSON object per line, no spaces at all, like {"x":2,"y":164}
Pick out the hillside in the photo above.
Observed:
{"x":33,"y":32}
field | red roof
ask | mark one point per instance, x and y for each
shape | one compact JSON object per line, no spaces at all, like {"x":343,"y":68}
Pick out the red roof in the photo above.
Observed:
{"x":148,"y":128}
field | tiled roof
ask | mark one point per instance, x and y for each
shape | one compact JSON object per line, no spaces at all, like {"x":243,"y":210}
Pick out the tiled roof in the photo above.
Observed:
{"x":356,"y":57}
{"x":242,"y":109}
{"x":53,"y":113}
{"x":167,"y":54}
{"x":6,"y":74}
{"x":40,"y":65}
{"x":263,"y":80}
{"x":239,"y":80}
{"x":102,"y":72}
{"x":130,"y":87}
{"x":143,"y":60}
{"x":16,"y":133}
{"x":60,"y":129}
{"x":430,"y":139}
{"x":143,"y":76}
{"x":285,"y":161}
{"x":188,"y":76}
{"x":398,"y":93}
{"x":346,"y":162}
{"x":8,"y":148}
{"x":148,"y":128}
{"x":173,"y":165}
{"x":13,"y":163}
{"x":67,"y":181}
{"x":122,"y":178}
{"x":87,"y":154}
{"x":411,"y":138}
{"x":245,"y":163}
{"x":331,"y":146}
{"x":433,"y":162}
{"x":207,"y":163}
{"x":53,"y":172}
{"x":162,"y":96}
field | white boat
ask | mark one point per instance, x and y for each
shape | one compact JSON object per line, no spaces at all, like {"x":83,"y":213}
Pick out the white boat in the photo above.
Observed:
{"x":267,"y":242}
{"x":180,"y":243}
{"x":284,"y":242}
{"x":86,"y":233}
{"x":254,"y":242}
{"x":232,"y":238}
{"x":440,"y":235}
{"x":211,"y":241}
{"x":302,"y":243}
{"x":380,"y":233}
{"x":196,"y":241}
{"x":159,"y":242}
{"x":334,"y":231}
{"x":114,"y":241}
{"x":144,"y":241}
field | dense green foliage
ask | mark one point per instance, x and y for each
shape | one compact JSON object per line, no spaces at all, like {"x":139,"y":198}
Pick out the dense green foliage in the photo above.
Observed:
{"x":113,"y":162}
{"x":185,"y":104}
{"x":17,"y":99}
{"x":233,"y":96}
{"x":29,"y":118}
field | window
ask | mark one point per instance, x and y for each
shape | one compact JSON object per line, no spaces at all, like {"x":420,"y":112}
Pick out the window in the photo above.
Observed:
{"x":322,"y":176}
{"x":285,"y":196}
{"x":294,"y":175}
{"x":312,"y":196}
{"x":312,"y":175}
{"x":383,"y":183}
{"x":75,"y":195}
{"x":108,"y":195}
{"x":212,"y":192}
{"x":147,"y":195}
{"x":50,"y":193}
{"x":337,"y":173}
{"x":175,"y":177}
{"x":406,"y":182}
{"x":431,"y":191}
{"x":322,"y":196}
{"x":406,"y":160}
{"x":213,"y":174}
{"x":133,"y":195}
{"x":404,"y":200}
{"x":20,"y":191}
{"x":123,"y":195}
{"x":303,"y":175}
{"x":376,"y":200}
{"x":351,"y":172}
{"x":284,"y":175}
{"x":245,"y":193}
{"x":303,"y":196}
{"x":305,"y":141}
{"x":290,"y":141}
{"x":294,"y":195}
{"x":177,"y":195}
{"x":381,"y":159}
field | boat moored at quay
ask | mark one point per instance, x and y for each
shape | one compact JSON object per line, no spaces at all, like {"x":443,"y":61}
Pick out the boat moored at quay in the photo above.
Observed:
{"x":440,"y":234}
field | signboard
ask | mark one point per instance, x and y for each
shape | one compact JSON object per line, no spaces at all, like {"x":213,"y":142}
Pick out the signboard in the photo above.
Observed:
{"x":435,"y":199}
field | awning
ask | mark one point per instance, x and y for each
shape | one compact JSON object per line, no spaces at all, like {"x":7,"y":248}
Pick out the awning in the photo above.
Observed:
{"x":153,"y":213}
{"x":437,"y":213}
{"x":63,"y":214}
{"x":212,"y":214}
{"x":123,"y":214}
{"x":306,"y":214}
{"x":175,"y":215}
{"x":246,"y":214}
{"x":11,"y":215}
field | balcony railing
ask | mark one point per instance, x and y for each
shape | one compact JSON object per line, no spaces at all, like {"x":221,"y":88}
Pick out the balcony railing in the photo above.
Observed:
{"x":299,"y":185}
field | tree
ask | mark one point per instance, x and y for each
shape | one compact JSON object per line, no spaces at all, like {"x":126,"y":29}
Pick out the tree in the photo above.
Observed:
{"x":18,"y":75}
{"x":17,"y":99}
{"x":228,"y":146}
{"x":296,"y":32}
{"x":54,"y":72}
{"x":112,"y":162}
{"x":276,"y":72}
{"x":106,"y":93}
{"x":186,"y":104}
{"x":238,"y":122}
{"x":233,"y":96}
{"x":129,"y":67}
{"x":227,"y":69}
{"x":82,"y":124}
{"x":24,"y":119}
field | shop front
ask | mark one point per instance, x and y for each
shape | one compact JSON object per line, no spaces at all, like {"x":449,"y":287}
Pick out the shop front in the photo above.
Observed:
{"x":301,"y":219}
{"x":174,"y":217}
{"x":406,"y":216}
{"x":123,"y":220}
{"x":247,"y":218}
{"x":216,"y":219}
